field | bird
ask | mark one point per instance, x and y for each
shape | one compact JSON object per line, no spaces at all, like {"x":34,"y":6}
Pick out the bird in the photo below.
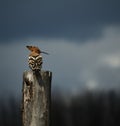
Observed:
{"x":35,"y":58}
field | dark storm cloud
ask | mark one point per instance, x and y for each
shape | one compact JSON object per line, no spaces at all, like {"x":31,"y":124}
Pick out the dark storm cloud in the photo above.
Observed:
{"x":63,"y":18}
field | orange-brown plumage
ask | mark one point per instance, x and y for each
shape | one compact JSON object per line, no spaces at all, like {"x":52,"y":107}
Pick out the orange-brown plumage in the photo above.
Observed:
{"x":35,"y":51}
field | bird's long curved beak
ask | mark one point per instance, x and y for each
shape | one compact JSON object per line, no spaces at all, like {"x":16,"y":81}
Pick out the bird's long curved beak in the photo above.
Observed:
{"x":44,"y":52}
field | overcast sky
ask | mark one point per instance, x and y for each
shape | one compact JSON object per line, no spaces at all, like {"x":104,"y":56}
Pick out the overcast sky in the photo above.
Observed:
{"x":82,"y":37}
{"x":57,"y":18}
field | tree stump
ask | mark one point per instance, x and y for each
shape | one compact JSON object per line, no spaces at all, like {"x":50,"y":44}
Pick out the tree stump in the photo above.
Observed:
{"x":36,"y":98}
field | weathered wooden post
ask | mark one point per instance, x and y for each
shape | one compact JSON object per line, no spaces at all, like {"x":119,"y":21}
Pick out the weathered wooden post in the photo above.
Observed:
{"x":36,"y":96}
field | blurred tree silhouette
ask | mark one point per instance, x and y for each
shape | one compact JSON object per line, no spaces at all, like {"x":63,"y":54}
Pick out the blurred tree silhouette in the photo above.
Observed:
{"x":88,"y":109}
{"x":10,"y":114}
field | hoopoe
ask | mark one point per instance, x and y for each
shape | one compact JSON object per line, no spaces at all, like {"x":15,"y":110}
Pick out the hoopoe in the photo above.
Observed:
{"x":35,"y":58}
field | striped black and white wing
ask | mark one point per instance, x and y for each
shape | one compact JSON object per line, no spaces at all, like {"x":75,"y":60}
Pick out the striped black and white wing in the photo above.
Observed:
{"x":35,"y":63}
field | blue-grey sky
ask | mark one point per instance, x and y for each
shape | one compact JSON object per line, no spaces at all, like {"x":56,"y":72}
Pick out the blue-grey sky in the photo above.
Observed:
{"x":72,"y":19}
{"x":82,"y":37}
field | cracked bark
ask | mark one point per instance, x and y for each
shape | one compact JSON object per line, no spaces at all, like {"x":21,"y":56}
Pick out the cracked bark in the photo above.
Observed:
{"x":36,"y":98}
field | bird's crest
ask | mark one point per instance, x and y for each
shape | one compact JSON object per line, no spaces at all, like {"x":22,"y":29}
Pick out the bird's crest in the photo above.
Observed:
{"x":35,"y":50}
